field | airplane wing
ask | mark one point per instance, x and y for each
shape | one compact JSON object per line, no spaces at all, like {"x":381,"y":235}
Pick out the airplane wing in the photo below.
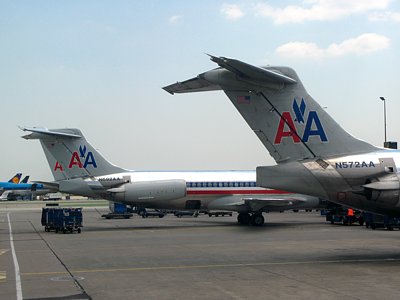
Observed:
{"x":257,"y":204}
{"x":266,"y":204}
{"x":270,"y":203}
{"x":49,"y":185}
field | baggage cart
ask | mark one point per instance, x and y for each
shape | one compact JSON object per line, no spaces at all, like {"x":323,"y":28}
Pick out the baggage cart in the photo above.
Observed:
{"x":62,"y":219}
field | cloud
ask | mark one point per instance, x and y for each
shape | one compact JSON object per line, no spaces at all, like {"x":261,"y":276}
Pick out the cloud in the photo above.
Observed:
{"x":385,"y":16}
{"x":363,"y":44}
{"x":231,"y":11}
{"x":175,"y":19}
{"x":318,"y":10}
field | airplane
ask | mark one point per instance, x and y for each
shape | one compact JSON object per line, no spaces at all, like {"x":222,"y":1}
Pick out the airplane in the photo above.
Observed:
{"x":14,"y":188}
{"x":314,"y":155}
{"x":81,"y":170}
{"x":12,"y":184}
{"x":15,"y":179}
{"x":25,"y":194}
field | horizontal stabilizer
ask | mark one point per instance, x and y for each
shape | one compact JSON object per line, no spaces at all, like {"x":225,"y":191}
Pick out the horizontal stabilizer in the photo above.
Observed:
{"x":230,"y":71}
{"x":251,"y":72}
{"x":38,"y":131}
{"x":195,"y":84}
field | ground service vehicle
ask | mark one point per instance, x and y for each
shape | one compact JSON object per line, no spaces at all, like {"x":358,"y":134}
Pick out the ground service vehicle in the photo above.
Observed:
{"x":340,"y":215}
{"x":62,"y":219}
{"x":118,"y":211}
{"x":374,"y":221}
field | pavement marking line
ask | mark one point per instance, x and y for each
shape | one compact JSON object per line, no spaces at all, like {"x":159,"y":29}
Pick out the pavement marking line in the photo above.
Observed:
{"x":3,"y":276}
{"x":16,"y":265}
{"x":2,"y":251}
{"x":217,"y":266}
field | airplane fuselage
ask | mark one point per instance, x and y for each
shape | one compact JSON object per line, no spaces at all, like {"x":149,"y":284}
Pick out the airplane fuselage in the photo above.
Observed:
{"x":19,"y":186}
{"x":367,"y":181}
{"x":215,"y":190}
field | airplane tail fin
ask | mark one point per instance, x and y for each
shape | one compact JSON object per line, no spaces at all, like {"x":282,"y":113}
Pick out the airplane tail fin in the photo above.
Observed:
{"x":70,"y":155}
{"x":16,"y":178}
{"x":275,"y":104}
{"x":25,"y":180}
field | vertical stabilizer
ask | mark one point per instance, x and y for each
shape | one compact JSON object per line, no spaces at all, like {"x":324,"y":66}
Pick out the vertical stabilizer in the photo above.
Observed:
{"x":16,"y":178}
{"x":275,"y":104}
{"x":70,"y":155}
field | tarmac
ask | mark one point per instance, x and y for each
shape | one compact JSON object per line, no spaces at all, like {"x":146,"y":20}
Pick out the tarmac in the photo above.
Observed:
{"x":293,"y":256}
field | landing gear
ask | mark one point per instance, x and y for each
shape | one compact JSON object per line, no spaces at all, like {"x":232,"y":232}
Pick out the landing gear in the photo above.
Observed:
{"x":255,"y":219}
{"x":243,"y":218}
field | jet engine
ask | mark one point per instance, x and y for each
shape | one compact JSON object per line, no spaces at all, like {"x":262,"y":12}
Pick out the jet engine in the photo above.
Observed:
{"x":149,"y":191}
{"x":384,"y":189}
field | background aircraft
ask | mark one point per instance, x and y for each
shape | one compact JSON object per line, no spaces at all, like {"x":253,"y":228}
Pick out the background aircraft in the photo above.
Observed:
{"x":15,"y":179}
{"x":15,"y":188}
{"x":315,"y":155}
{"x":19,"y":186}
{"x":79,"y":169}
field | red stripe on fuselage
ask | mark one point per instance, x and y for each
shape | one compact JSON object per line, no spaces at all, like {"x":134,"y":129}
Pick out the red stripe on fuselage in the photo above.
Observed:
{"x":237,"y":192}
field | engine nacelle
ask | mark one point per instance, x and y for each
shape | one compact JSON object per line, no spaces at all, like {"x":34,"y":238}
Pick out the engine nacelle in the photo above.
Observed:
{"x":149,"y":191}
{"x":385,"y":189}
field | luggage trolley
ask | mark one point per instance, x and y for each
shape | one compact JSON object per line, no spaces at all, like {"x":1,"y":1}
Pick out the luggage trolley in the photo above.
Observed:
{"x":62,"y":219}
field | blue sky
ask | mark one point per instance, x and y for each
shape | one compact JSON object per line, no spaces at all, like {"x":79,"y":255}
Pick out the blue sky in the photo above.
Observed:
{"x":100,"y":65}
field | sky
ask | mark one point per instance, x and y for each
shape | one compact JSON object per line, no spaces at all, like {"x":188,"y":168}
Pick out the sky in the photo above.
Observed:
{"x":100,"y":65}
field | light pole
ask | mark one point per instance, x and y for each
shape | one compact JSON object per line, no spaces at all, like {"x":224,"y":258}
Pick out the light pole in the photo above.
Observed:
{"x":384,"y":115}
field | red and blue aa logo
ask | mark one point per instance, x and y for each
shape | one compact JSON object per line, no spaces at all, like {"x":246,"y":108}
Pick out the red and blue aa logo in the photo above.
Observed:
{"x":310,"y":121}
{"x":81,"y":159}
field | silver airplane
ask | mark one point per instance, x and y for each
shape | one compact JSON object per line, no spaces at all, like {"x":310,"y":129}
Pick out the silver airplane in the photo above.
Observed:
{"x":79,"y":169}
{"x":314,"y":155}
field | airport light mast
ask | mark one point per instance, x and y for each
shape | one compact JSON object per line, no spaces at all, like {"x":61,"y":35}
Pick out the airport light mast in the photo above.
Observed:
{"x":384,"y":117}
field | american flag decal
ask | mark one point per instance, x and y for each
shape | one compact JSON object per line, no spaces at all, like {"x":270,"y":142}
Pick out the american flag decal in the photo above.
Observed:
{"x":243,"y":99}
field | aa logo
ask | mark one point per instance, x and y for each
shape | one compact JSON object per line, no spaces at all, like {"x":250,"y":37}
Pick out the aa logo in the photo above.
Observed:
{"x":80,"y":160}
{"x":309,"y":121}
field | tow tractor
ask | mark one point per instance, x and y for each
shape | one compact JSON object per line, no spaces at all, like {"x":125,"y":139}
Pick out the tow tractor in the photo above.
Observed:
{"x":340,"y":215}
{"x":118,"y":211}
